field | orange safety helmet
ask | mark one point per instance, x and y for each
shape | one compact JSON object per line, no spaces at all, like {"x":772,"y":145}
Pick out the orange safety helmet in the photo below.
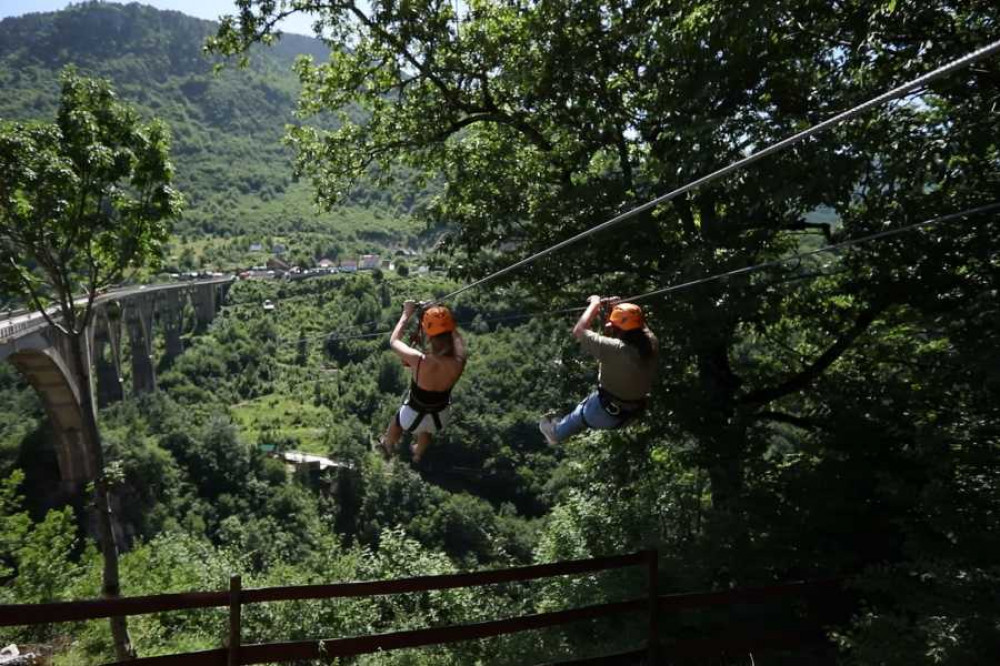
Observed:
{"x":437,"y":320}
{"x":627,"y":317}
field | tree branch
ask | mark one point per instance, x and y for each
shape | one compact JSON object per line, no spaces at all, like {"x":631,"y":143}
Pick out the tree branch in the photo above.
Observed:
{"x":91,"y":293}
{"x":466,"y":121}
{"x":807,"y":376}
{"x":37,"y":300}
{"x":453,"y":96}
{"x":802,"y":422}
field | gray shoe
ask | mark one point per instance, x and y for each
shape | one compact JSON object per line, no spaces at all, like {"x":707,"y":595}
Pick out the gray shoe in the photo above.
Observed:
{"x":547,"y":425}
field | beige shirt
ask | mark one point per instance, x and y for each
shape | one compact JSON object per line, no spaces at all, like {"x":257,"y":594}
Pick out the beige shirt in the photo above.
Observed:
{"x":623,"y":373}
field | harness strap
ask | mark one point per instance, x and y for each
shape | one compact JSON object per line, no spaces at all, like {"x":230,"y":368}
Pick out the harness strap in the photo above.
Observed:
{"x":417,"y":421}
{"x":420,"y":419}
{"x":621,"y":409}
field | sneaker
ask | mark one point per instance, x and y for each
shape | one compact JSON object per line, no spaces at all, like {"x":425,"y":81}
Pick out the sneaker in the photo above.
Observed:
{"x":548,"y":427}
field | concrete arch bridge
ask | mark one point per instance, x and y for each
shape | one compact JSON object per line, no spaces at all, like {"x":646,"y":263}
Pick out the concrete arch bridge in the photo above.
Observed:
{"x":41,"y":355}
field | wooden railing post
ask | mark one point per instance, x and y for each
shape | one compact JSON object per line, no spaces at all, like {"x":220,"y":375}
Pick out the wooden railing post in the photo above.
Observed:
{"x":653,"y":582}
{"x":235,"y":610}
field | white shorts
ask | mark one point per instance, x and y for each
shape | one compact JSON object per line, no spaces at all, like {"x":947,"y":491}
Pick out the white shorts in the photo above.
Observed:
{"x":407,"y":415}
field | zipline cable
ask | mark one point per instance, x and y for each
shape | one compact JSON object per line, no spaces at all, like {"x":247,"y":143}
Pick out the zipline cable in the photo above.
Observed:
{"x":988,"y":208}
{"x":291,"y":297}
{"x":899,"y":91}
{"x":979,"y":210}
{"x":984,"y":52}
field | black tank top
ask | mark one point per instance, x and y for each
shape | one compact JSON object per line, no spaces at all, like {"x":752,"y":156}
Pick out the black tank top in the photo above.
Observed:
{"x":425,"y":400}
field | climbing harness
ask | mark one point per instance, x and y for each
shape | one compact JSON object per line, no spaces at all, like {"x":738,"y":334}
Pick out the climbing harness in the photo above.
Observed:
{"x":622,"y":409}
{"x":423,"y":403}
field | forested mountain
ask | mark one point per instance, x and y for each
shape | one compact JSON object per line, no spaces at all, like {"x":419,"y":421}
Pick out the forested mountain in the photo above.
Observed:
{"x":227,"y":126}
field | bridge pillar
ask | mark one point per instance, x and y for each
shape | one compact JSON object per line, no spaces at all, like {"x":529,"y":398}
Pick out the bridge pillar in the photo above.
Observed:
{"x":107,"y":333}
{"x":205,"y":300}
{"x":139,"y":318}
{"x":109,"y":382}
{"x":171,"y":316}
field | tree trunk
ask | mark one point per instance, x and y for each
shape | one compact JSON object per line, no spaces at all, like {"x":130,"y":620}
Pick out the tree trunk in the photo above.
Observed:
{"x":102,"y":500}
{"x":722,"y":435}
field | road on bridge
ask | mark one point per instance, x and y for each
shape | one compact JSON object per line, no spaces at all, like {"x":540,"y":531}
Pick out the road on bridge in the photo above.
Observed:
{"x":20,"y":320}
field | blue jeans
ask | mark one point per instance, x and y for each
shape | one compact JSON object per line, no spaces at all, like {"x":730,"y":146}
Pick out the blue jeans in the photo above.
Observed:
{"x":588,"y":413}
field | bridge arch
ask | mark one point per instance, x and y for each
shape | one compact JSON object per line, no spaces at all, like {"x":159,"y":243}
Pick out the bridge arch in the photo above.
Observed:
{"x":41,"y":355}
{"x":45,"y":370}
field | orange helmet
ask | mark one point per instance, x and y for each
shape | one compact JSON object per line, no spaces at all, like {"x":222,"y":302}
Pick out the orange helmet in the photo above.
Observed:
{"x":437,"y":320}
{"x":627,"y":317}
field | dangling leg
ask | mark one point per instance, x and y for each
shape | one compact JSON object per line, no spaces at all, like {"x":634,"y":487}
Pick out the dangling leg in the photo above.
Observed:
{"x":423,"y":441}
{"x":558,"y":430}
{"x":390,"y":439}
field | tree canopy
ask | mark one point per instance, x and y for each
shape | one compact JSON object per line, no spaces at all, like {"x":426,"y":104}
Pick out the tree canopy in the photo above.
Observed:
{"x":82,"y":200}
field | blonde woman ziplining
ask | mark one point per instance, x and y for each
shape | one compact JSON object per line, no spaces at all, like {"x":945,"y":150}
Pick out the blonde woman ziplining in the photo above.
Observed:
{"x":627,"y":355}
{"x":426,"y":409}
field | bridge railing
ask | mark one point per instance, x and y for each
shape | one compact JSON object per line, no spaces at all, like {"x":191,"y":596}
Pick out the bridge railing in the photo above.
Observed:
{"x":9,"y":330}
{"x":235,"y":652}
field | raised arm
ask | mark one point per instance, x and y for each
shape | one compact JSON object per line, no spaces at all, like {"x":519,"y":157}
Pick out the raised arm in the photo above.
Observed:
{"x":583,"y":323}
{"x":409,"y":355}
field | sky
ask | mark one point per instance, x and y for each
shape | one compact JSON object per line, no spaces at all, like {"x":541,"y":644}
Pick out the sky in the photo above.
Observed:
{"x":206,"y":9}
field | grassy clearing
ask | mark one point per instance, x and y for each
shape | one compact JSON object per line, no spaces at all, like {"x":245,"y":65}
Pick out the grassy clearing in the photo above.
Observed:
{"x":280,"y":416}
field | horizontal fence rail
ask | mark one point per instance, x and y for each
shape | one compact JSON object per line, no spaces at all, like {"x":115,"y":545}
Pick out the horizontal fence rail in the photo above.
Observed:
{"x":442,"y":582}
{"x":236,"y":653}
{"x":346,"y":647}
{"x":72,"y":611}
{"x":265,"y":653}
{"x":690,"y":600}
{"x":97,"y":609}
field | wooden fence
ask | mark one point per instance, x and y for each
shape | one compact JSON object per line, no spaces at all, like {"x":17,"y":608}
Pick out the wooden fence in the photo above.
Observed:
{"x":236,"y":653}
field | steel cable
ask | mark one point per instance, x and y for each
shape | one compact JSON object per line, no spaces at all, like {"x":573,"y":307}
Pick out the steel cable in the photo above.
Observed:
{"x":895,"y":93}
{"x":979,"y":210}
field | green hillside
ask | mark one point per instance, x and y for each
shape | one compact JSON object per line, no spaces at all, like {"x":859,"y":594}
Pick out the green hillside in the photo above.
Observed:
{"x":227,"y":125}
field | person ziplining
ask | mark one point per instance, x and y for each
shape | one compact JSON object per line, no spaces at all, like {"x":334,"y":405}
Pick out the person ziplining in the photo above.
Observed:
{"x":426,"y":408}
{"x":627,"y":353}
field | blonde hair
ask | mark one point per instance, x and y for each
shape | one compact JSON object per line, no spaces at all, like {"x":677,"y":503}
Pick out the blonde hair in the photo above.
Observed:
{"x":443,"y":344}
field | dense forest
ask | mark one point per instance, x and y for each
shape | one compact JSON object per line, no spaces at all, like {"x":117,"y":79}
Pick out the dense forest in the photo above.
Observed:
{"x":836,"y":417}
